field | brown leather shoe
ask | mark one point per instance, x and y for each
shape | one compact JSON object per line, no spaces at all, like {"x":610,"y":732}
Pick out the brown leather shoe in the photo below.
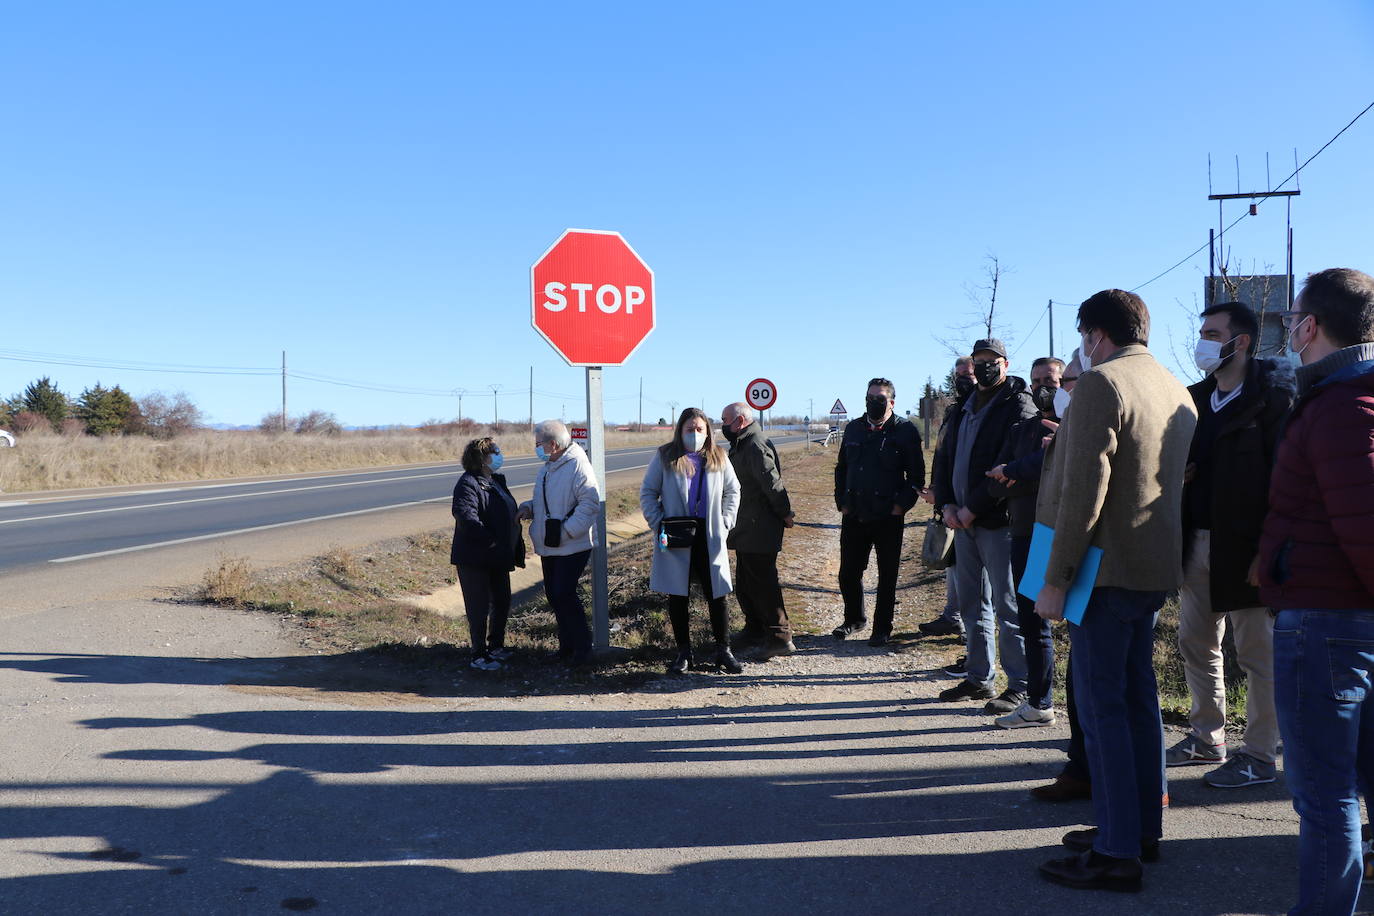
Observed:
{"x":1064,"y":788}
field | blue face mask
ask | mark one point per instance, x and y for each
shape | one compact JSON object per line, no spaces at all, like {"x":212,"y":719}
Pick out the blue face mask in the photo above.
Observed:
{"x":540,"y":453}
{"x":497,"y":459}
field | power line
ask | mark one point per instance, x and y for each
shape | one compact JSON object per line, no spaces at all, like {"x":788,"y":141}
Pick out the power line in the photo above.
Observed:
{"x":1262,"y":199}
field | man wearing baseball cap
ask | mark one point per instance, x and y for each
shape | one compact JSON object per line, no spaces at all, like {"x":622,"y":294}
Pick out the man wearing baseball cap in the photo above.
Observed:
{"x":982,"y":540}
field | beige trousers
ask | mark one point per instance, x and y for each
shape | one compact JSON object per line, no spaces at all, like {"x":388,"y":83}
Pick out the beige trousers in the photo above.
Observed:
{"x":1199,"y":641}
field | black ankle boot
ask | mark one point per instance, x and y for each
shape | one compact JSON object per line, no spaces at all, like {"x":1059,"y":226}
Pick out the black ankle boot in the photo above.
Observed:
{"x":725,"y":661}
{"x":680,"y":664}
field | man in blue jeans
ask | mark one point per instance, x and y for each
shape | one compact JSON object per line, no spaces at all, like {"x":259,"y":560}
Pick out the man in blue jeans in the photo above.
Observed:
{"x":982,"y":538}
{"x":1316,"y":569}
{"x":1113,"y":479}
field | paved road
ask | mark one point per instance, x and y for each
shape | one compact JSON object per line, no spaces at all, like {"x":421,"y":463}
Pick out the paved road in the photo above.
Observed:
{"x":71,"y":530}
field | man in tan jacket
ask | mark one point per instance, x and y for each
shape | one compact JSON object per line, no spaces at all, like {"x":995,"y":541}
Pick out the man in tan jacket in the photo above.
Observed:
{"x":1113,"y":479}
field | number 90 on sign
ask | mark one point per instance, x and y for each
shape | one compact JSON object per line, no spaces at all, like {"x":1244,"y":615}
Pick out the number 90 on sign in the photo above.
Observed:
{"x":761,"y":394}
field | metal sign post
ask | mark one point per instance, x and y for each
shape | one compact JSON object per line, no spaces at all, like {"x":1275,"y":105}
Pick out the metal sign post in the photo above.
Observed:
{"x":596,"y":429}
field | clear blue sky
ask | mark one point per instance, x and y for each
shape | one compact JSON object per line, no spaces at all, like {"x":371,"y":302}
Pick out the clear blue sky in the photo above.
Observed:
{"x":366,"y":185}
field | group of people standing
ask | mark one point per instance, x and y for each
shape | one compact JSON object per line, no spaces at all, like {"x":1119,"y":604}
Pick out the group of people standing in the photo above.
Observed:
{"x":711,"y":500}
{"x":1250,"y":495}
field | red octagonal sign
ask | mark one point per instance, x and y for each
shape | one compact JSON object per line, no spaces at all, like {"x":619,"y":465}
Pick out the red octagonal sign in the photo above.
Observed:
{"x":593,"y":298}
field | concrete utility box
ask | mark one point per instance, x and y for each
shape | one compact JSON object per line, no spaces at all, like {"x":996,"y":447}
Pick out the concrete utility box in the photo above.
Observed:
{"x":1266,"y":294}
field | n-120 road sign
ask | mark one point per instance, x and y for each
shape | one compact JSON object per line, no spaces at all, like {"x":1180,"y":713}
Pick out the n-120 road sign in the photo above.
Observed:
{"x":761,"y":394}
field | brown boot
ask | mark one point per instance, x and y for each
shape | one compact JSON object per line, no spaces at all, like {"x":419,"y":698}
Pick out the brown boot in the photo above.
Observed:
{"x":1064,"y":788}
{"x":774,"y":647}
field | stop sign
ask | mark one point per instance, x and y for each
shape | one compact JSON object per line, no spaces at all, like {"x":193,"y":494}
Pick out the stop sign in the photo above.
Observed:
{"x":592,"y":298}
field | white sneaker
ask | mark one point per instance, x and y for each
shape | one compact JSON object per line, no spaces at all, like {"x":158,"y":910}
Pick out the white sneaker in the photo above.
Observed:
{"x":1026,"y":716}
{"x":486,"y":663}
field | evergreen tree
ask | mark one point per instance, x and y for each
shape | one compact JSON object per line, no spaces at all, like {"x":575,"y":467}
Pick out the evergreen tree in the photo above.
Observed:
{"x":43,"y":397}
{"x":105,"y":410}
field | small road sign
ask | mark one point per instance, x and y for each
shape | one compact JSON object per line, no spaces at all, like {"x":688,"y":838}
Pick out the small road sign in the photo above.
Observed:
{"x":761,"y":394}
{"x":838,"y":410}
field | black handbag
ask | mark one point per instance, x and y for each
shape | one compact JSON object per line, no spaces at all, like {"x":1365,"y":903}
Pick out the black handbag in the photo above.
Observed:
{"x":553,"y":527}
{"x":677,"y":532}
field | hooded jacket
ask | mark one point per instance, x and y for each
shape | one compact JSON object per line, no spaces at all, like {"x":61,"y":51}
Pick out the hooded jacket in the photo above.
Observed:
{"x":1242,"y":460}
{"x":1317,"y":549}
{"x":1010,"y":404}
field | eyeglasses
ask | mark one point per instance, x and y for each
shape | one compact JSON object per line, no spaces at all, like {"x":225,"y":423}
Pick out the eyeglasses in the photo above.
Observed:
{"x":1291,"y":318}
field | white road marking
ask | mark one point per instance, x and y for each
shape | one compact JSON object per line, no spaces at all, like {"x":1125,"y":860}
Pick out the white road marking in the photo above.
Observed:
{"x":207,"y":499}
{"x":225,"y":534}
{"x":299,"y":521}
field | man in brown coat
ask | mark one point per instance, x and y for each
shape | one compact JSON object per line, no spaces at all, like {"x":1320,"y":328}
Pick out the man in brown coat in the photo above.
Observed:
{"x":1113,"y":479}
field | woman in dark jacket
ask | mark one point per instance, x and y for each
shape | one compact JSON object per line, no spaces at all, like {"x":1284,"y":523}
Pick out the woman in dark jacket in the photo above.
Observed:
{"x":487,"y":545}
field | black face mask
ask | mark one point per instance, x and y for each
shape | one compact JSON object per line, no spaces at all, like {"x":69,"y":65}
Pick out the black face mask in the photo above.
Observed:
{"x":988,"y":374}
{"x":729,"y":432}
{"x":877,"y":407}
{"x":963,"y":385}
{"x":1043,"y":396}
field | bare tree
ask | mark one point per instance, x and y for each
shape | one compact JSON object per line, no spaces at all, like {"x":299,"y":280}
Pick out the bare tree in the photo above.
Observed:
{"x":981,"y":318}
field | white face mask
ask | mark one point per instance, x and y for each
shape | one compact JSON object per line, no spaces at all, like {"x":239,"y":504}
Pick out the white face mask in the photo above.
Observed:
{"x":1085,"y":361}
{"x":1207,"y":355}
{"x":693,"y":440}
{"x":1061,"y":402}
{"x":1295,"y":356}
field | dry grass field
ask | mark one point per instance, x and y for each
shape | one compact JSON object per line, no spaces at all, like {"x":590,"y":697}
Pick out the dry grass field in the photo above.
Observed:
{"x":47,"y":461}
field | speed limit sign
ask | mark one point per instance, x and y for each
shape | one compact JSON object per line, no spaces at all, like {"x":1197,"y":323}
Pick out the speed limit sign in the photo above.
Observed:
{"x":761,"y":394}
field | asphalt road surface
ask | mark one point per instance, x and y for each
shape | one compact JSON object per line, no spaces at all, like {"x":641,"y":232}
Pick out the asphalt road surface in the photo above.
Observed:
{"x":44,"y":531}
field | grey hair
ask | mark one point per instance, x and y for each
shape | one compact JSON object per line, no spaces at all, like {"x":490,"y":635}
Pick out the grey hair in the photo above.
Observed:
{"x":739,"y":409}
{"x":546,"y":430}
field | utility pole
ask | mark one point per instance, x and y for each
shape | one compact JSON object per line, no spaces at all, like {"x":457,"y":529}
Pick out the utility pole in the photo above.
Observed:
{"x":495,"y":416}
{"x":460,"y":392}
{"x":672,"y":408}
{"x":1049,"y":307}
{"x":283,"y":391}
{"x":641,"y":403}
{"x":531,"y":399}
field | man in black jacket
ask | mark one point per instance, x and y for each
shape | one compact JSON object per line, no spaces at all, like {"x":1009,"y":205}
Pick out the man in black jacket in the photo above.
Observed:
{"x":878,"y":478}
{"x":982,"y":543}
{"x":1241,"y":407}
{"x":764,"y":511}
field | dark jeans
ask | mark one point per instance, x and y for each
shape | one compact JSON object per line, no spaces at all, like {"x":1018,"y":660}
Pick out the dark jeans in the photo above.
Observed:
{"x":1076,"y":767}
{"x":700,"y":570}
{"x":1322,"y":691}
{"x":760,"y":594}
{"x":560,"y":587}
{"x":1118,"y":702}
{"x":857,"y":540}
{"x":1035,"y":634}
{"x":486,"y":599}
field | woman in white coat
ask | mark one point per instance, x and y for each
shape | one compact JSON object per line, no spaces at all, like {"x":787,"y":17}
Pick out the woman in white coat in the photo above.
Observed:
{"x":563,"y":514}
{"x":692,"y":477}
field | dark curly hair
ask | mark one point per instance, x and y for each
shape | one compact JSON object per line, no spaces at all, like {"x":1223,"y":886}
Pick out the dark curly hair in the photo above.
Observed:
{"x":475,"y":455}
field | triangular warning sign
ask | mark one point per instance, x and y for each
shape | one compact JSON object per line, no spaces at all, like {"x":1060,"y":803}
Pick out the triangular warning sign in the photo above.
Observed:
{"x":839,"y":408}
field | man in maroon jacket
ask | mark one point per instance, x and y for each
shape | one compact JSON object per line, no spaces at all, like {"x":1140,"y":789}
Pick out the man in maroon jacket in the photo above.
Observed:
{"x":1316,"y":569}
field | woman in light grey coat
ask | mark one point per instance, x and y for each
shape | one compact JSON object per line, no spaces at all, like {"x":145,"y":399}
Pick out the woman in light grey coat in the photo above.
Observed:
{"x":692,"y":477}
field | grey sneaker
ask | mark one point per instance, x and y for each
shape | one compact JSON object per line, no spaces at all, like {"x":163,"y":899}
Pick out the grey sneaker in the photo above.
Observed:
{"x":1026,"y":716}
{"x":1192,"y":752}
{"x":1240,"y":771}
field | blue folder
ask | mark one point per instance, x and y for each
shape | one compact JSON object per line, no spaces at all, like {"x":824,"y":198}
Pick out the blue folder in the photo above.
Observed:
{"x":1076,"y":601}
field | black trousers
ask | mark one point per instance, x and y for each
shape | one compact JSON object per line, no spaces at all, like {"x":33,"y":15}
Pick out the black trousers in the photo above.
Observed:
{"x":857,"y":539}
{"x":760,"y":594}
{"x":561,"y":575}
{"x":1035,"y":633}
{"x":486,"y":599}
{"x":700,"y":569}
